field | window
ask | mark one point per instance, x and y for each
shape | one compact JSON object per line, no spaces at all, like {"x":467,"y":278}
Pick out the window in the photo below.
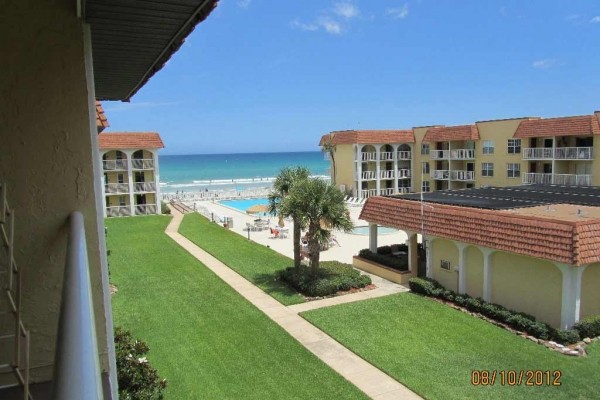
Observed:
{"x":424,"y":149}
{"x":425,"y":167}
{"x":122,"y":201}
{"x":487,"y":169}
{"x":425,"y":186}
{"x":514,"y":146}
{"x":488,"y":147}
{"x":120,"y":178}
{"x":445,"y":264}
{"x":514,"y":170}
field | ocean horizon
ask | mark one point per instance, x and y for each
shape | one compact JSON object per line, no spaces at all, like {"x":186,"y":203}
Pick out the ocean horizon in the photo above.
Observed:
{"x":239,"y":171}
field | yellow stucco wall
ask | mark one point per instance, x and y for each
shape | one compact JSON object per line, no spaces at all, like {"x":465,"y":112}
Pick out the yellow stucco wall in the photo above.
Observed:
{"x":113,"y":177}
{"x":344,"y":158}
{"x":527,"y":284}
{"x":474,"y":271}
{"x":114,"y":200}
{"x":443,"y":249}
{"x":590,"y":291}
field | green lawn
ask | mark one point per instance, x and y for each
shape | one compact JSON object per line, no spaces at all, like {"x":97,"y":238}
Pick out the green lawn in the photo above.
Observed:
{"x":433,"y":349}
{"x":207,"y":340}
{"x":253,"y":261}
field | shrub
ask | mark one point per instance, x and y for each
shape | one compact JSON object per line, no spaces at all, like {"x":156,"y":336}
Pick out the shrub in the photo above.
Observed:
{"x":399,"y":263}
{"x":519,"y":322}
{"x":164,"y":209}
{"x":137,"y":378}
{"x":332,"y":277}
{"x":538,"y":329}
{"x":588,"y":327}
{"x":423,"y":286}
{"x":437,"y":292}
{"x":448,"y":295}
{"x":384,"y":250}
{"x":473,"y":304}
{"x":566,"y":336}
{"x":460,"y":300}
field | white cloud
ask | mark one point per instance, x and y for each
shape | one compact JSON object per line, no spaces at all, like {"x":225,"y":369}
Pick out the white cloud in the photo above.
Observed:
{"x":544,"y":63}
{"x":330,"y":25}
{"x":398,"y":12}
{"x":244,"y":3}
{"x":302,"y":26}
{"x":346,"y":10}
{"x":595,"y":20}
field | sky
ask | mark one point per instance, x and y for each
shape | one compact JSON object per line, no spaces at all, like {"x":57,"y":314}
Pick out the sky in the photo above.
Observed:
{"x":275,"y":75}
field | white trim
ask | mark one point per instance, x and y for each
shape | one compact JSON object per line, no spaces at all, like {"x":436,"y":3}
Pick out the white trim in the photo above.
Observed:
{"x":571,"y":294}
{"x":487,"y":273}
{"x":462,"y":268}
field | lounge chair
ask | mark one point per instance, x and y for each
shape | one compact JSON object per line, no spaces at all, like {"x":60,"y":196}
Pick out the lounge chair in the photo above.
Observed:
{"x":275,"y":233}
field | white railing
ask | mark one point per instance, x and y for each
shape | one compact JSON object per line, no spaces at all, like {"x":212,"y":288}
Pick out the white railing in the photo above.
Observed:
{"x":386,"y":155}
{"x":142,"y":163}
{"x":386,"y":191}
{"x":386,"y":174}
{"x":367,"y":193}
{"x":118,"y":211}
{"x":537,"y":153}
{"x":326,"y":156}
{"x":404,"y":190}
{"x":403,"y":173}
{"x":114,"y":165}
{"x":77,"y":364}
{"x":441,"y":174}
{"x":462,"y":154}
{"x":573,"y":153}
{"x":557,"y":179}
{"x":368,"y":175}
{"x":144,"y":209}
{"x":116,"y":187}
{"x":370,"y":156}
{"x":439,"y":154}
{"x":462,"y":175}
{"x":145,"y":187}
{"x":404,"y":155}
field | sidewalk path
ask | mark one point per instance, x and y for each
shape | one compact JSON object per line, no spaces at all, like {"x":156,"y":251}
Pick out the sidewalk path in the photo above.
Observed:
{"x":372,"y":381}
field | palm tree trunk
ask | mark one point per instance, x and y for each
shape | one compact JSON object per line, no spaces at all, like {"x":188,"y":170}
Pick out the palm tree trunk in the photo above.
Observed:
{"x":314,"y":250}
{"x":333,"y":166}
{"x":297,"y":233}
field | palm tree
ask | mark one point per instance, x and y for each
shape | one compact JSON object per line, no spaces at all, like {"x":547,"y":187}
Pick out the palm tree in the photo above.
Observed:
{"x":328,"y":147}
{"x":283,"y":184}
{"x":322,"y":208}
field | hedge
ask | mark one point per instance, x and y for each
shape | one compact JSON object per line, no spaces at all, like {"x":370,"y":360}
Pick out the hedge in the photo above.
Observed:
{"x":588,"y":327}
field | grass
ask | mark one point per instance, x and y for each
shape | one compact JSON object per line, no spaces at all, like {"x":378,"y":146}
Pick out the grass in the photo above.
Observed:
{"x":255,"y":262}
{"x":433,"y":350}
{"x":204,"y":338}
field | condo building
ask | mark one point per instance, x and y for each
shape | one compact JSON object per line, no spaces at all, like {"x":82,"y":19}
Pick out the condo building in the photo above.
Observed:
{"x":506,"y":152}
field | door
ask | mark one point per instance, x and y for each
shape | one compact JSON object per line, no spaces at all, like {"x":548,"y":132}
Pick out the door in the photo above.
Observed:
{"x":140,"y":199}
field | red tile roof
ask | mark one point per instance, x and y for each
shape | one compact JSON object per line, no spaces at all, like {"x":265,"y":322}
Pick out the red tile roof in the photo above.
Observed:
{"x":574,"y":243}
{"x":101,"y":121}
{"x":582,"y":125}
{"x":449,"y":133}
{"x":130,"y":140}
{"x":369,"y":137}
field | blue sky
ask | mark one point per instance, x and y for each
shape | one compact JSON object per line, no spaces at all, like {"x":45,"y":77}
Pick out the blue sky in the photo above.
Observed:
{"x":274,"y":75}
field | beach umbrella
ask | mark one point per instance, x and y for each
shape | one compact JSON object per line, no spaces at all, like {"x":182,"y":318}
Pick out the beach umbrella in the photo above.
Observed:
{"x":258,"y":208}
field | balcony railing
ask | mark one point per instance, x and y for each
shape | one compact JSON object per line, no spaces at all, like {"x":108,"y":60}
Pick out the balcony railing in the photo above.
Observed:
{"x":118,"y":211}
{"x":557,"y":179}
{"x":116,"y":188}
{"x":386,"y":174}
{"x":142,"y":163}
{"x":439,"y":154}
{"x":403,"y":173}
{"x":537,"y":153}
{"x":371,"y":156}
{"x":145,"y":187}
{"x":144,"y":209}
{"x":386,"y":155}
{"x":368,"y":175}
{"x":462,"y":175}
{"x":404,"y":190}
{"x":462,"y":154}
{"x":367,"y":193}
{"x":441,"y":174}
{"x":326,"y":156}
{"x":404,"y":155}
{"x":386,"y":191}
{"x":77,"y":364}
{"x":573,"y":153}
{"x":110,"y":165}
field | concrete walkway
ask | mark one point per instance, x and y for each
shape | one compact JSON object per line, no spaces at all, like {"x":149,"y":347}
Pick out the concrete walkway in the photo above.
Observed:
{"x":372,"y":381}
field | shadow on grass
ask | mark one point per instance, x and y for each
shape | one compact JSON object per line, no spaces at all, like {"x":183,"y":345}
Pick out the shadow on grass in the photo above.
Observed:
{"x":272,"y":284}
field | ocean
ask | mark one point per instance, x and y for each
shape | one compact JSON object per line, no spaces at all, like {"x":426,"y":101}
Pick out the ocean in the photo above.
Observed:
{"x":200,"y":172}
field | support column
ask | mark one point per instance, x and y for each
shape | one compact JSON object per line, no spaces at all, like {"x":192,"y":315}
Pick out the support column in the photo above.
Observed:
{"x":156,"y":182}
{"x":462,"y":268}
{"x":373,"y":237}
{"x":359,"y":171}
{"x":413,"y":261}
{"x":487,"y":274}
{"x":103,"y":184}
{"x":571,"y":294}
{"x":378,"y":170}
{"x":396,"y":173}
{"x":129,"y":154}
{"x":427,"y":241}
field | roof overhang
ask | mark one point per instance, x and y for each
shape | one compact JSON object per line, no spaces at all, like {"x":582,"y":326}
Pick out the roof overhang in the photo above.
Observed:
{"x":133,"y":39}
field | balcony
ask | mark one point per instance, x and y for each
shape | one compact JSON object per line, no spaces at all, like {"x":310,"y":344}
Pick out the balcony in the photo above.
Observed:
{"x":404,"y":173}
{"x":386,"y":156}
{"x":144,"y":187}
{"x":142,"y":163}
{"x":537,"y":153}
{"x":365,"y":193}
{"x":466,"y":176}
{"x":573,"y":153}
{"x":404,"y":155}
{"x":118,"y":211}
{"x":439,"y":154}
{"x":404,"y":190}
{"x":114,"y":165}
{"x":110,"y":188}
{"x":462,"y":154}
{"x":371,"y":156}
{"x":367,"y":175}
{"x":440,"y":174}
{"x":386,"y":174}
{"x":386,"y":191}
{"x":557,"y":179}
{"x":145,"y":209}
{"x":326,"y":156}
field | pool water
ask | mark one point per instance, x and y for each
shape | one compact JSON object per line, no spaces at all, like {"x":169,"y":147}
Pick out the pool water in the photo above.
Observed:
{"x":244,"y":204}
{"x":381,"y":230}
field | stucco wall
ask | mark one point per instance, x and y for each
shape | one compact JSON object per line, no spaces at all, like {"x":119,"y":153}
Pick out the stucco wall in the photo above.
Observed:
{"x":46,"y":158}
{"x":590,"y":291}
{"x":474,"y":271}
{"x":344,"y":158}
{"x":527,"y":284}
{"x":443,"y":249}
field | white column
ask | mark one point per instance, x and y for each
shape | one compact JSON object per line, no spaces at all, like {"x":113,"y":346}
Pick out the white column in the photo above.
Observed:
{"x":427,"y":241}
{"x":571,"y":294}
{"x":103,"y":183}
{"x":487,"y":274}
{"x":359,"y":170}
{"x":373,"y":237}
{"x":377,"y":169}
{"x":553,"y":160}
{"x":462,"y":268}
{"x":395,"y":148}
{"x":129,"y":154}
{"x":450,"y":167}
{"x":156,"y":181}
{"x":411,"y":242}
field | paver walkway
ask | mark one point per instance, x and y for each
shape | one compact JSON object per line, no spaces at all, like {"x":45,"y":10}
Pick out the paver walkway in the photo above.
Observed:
{"x":372,"y":381}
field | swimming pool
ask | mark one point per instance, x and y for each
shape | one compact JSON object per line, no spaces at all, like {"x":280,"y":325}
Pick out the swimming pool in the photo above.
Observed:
{"x":244,"y":204}
{"x":381,"y":230}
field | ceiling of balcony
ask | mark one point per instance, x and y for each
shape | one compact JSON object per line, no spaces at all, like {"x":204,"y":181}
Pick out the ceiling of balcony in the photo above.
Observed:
{"x":133,"y":39}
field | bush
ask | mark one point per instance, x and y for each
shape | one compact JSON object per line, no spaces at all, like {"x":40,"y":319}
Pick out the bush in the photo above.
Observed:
{"x":384,"y":250}
{"x":332,"y":277}
{"x":424,"y":286}
{"x":460,"y":300}
{"x":448,"y":295}
{"x":473,"y":304}
{"x":164,"y":209}
{"x":398,"y":263}
{"x":519,"y":322}
{"x":567,"y":336}
{"x":588,"y":327}
{"x":137,"y":378}
{"x":539,"y":329}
